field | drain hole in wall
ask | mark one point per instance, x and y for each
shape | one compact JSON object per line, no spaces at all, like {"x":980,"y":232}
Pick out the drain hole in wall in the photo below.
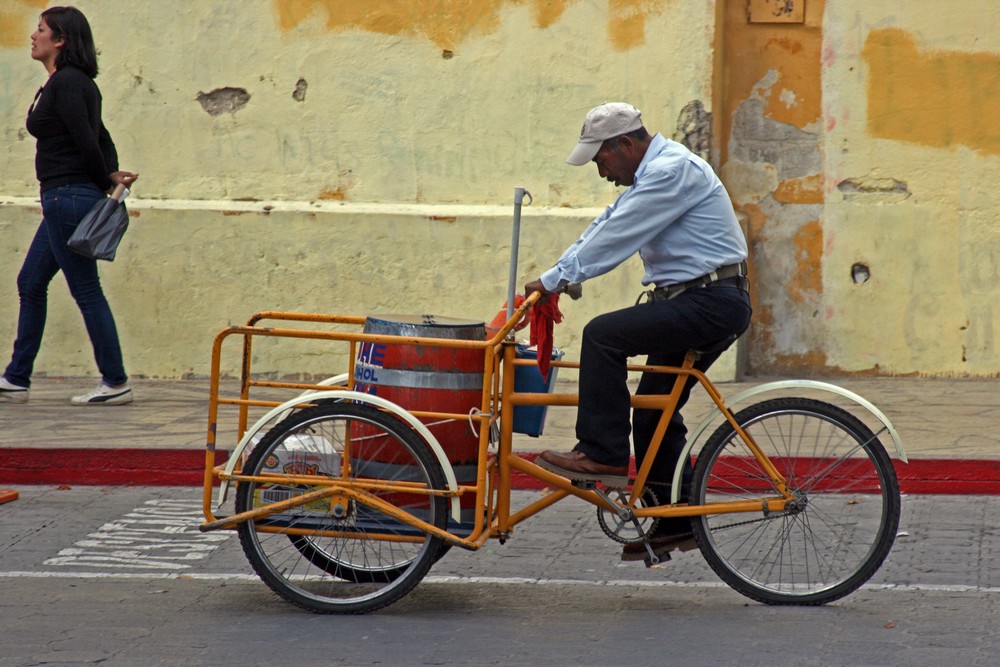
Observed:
{"x":860,"y":273}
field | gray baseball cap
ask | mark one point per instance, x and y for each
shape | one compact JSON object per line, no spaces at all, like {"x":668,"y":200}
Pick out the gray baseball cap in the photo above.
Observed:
{"x":611,"y":119}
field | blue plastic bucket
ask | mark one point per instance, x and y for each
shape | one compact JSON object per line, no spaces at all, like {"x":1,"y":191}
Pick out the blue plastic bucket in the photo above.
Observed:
{"x":530,"y":419}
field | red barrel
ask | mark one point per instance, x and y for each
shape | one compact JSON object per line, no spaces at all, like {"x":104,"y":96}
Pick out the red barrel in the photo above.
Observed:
{"x":429,"y":378}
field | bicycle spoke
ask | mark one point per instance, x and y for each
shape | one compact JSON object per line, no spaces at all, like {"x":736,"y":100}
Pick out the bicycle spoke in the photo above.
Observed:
{"x":839,"y":524}
{"x":337,"y":554}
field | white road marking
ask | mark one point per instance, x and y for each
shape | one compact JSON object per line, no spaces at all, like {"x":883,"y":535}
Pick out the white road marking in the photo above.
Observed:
{"x":499,"y":581}
{"x":161,"y":535}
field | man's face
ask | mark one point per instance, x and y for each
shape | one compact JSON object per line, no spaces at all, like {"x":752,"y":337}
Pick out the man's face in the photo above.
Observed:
{"x":616,"y":160}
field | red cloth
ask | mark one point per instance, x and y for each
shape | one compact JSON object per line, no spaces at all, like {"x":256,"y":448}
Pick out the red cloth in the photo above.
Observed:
{"x":543,"y":318}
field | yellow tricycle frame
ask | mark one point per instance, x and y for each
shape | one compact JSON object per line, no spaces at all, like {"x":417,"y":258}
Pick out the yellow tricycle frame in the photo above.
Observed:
{"x":494,"y":516}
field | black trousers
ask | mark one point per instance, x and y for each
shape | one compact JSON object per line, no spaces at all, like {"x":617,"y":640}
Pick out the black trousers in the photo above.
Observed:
{"x":665,"y":331}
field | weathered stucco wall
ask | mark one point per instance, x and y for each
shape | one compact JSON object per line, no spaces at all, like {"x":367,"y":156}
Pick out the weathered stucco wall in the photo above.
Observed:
{"x":772,"y":161}
{"x":912,"y":147}
{"x":862,"y":144}
{"x":342,"y":156}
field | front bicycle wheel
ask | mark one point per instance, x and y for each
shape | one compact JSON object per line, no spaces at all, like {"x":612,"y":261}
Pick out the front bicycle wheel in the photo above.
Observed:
{"x":841,"y":524}
{"x":337,"y":555}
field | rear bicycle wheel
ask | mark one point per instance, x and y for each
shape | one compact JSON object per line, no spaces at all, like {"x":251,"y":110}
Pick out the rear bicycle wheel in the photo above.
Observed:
{"x":841,"y":525}
{"x":338,"y":555}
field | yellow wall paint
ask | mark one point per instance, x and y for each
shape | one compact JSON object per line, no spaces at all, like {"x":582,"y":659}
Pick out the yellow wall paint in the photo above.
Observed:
{"x":448,"y":23}
{"x":398,"y":163}
{"x":932,"y":97}
{"x":910,"y":167}
{"x":15,"y":26}
{"x":388,"y":169}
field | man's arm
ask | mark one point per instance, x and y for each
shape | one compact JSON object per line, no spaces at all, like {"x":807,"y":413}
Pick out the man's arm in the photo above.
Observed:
{"x":639,"y":214}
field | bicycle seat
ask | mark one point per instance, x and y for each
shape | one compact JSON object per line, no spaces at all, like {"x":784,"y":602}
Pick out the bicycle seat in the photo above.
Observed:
{"x":716,"y":347}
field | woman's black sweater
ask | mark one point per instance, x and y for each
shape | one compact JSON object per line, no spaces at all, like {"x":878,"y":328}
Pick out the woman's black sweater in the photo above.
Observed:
{"x":73,"y":145}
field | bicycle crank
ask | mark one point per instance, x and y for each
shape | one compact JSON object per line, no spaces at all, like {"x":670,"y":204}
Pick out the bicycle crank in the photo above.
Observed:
{"x":622,"y":525}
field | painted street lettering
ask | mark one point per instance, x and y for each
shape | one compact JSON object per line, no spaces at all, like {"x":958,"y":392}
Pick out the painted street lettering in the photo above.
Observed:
{"x":161,"y":535}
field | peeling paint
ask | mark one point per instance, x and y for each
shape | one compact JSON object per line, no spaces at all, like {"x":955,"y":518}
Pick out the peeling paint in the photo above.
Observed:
{"x":223,"y":100}
{"x":874,"y":190}
{"x":447,"y":24}
{"x":694,"y":128}
{"x":773,"y":166}
{"x":807,"y":280}
{"x":749,"y":182}
{"x":788,"y":97}
{"x":804,"y":190}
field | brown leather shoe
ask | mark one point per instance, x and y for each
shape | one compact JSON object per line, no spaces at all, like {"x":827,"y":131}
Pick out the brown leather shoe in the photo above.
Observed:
{"x":579,"y":467}
{"x":662,"y":546}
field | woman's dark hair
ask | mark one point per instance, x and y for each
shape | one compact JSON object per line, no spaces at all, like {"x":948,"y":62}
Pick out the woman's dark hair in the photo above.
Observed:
{"x":78,"y":50}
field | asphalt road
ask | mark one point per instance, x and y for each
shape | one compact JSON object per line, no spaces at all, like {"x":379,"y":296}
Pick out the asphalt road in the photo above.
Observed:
{"x":120,"y":576}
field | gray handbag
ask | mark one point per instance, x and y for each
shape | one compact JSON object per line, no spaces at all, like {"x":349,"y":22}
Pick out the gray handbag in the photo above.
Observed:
{"x":101,"y":230}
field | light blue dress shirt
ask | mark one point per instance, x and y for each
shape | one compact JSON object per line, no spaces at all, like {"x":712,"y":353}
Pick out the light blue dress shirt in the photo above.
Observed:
{"x":677,"y":215}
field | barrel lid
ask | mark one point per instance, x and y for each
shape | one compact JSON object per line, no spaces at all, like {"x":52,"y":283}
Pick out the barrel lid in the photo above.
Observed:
{"x":424,"y":320}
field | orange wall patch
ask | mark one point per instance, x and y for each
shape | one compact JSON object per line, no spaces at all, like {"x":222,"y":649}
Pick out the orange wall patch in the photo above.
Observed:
{"x":808,"y":277}
{"x":933,"y":98}
{"x":804,"y":190}
{"x":447,"y":24}
{"x":18,"y":22}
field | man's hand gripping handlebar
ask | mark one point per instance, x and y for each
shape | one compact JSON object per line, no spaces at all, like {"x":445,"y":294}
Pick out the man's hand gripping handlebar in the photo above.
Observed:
{"x":572,"y":290}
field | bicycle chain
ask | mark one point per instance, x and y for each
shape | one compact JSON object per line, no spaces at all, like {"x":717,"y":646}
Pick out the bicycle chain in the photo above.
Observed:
{"x":745,"y":523}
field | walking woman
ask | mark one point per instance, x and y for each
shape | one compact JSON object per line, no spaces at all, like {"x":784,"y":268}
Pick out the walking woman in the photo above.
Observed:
{"x":76,"y":164}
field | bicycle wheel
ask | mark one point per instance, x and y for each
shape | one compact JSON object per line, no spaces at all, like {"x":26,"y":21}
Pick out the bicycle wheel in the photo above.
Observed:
{"x":836,"y":533}
{"x":344,"y":568}
{"x":337,"y":555}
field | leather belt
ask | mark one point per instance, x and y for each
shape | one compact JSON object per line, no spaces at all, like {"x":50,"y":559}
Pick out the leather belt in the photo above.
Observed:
{"x":723,"y":273}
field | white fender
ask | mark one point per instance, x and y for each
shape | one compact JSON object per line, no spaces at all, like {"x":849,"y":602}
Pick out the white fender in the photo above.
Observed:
{"x":276,"y":414}
{"x":776,"y":386}
{"x":359,"y":397}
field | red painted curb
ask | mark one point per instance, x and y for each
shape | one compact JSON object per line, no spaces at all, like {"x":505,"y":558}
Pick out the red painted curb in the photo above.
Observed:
{"x":919,"y":476}
{"x":185,"y":467}
{"x":105,"y":467}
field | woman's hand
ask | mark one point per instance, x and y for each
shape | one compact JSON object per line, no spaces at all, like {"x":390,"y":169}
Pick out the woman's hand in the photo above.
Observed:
{"x":125,"y":178}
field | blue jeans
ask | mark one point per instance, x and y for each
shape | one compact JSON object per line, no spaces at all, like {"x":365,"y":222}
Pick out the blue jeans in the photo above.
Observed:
{"x":62,"y":210}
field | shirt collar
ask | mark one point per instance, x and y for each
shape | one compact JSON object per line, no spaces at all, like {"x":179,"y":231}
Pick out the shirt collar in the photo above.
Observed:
{"x":656,"y":146}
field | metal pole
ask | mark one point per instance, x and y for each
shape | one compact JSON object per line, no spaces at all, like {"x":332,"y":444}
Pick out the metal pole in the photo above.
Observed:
{"x":519,"y":195}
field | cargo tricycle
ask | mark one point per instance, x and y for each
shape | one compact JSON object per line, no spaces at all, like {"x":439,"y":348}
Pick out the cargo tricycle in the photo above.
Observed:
{"x":345,"y":494}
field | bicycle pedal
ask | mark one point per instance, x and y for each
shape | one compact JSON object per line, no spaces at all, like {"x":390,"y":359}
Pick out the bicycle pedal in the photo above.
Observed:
{"x":663,"y":560}
{"x":585,"y":484}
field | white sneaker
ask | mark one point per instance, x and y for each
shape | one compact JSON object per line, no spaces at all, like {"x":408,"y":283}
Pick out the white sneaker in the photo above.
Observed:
{"x":105,"y":395}
{"x":12,"y":393}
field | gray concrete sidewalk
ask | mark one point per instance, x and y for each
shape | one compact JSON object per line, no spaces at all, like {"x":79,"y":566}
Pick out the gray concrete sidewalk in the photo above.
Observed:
{"x":937,"y":418}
